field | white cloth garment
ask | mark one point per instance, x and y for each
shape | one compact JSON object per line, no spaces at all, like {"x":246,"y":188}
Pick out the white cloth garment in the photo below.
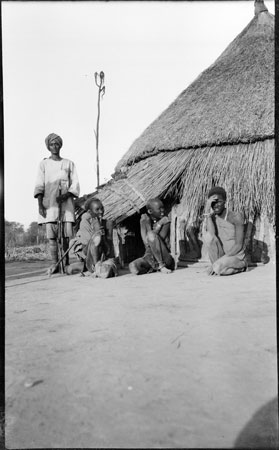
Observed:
{"x":53,"y":175}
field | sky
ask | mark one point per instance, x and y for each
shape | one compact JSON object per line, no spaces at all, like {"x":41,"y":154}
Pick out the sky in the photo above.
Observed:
{"x":149,"y":51}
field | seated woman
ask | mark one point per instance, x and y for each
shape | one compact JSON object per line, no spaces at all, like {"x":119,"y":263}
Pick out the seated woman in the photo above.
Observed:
{"x":223,"y":235}
{"x":94,"y":237}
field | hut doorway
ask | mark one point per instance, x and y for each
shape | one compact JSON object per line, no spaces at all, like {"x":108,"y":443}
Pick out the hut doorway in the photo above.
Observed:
{"x":127,"y":240}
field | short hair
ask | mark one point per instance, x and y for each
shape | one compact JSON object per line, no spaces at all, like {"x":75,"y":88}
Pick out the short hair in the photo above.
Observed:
{"x":217,"y":190}
{"x":91,"y":200}
{"x":150,"y":202}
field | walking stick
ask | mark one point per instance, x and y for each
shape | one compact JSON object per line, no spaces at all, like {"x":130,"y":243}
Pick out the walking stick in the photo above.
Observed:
{"x":52,"y":270}
{"x":60,"y":235}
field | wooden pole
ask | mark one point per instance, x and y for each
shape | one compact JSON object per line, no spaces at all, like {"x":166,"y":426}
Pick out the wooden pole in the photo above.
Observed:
{"x":259,"y":7}
{"x":99,"y":80}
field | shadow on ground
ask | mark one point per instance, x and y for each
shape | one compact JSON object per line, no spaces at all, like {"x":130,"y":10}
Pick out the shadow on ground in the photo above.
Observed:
{"x":262,"y":429}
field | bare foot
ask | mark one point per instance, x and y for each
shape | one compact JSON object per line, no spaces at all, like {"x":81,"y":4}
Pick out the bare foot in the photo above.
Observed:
{"x":165,"y":270}
{"x":52,"y":269}
{"x":86,"y":274}
{"x":210,"y":271}
{"x":74,"y":268}
{"x":133,"y":269}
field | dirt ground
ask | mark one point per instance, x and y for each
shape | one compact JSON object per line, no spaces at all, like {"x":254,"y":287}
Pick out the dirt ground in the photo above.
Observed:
{"x":25,"y":269}
{"x":155,"y":361}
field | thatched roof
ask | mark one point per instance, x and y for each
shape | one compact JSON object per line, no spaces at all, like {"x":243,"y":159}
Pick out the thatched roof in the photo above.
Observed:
{"x":230,"y":102}
{"x":244,"y":170}
{"x":220,"y":130}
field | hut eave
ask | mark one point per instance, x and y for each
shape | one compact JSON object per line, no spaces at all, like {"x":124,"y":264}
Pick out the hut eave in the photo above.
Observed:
{"x":122,"y":168}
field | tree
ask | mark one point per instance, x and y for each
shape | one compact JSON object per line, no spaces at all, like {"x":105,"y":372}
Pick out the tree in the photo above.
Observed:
{"x":32,"y":235}
{"x":35,"y":234}
{"x":14,"y":234}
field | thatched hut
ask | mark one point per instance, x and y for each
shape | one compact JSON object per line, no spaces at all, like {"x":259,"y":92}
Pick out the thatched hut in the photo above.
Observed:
{"x":219,"y":131}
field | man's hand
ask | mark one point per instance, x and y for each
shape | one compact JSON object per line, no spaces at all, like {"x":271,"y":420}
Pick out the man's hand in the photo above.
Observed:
{"x":42,"y":211}
{"x":62,"y":198}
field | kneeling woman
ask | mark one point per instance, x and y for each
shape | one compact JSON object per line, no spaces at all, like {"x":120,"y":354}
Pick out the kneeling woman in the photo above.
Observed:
{"x":223,"y":235}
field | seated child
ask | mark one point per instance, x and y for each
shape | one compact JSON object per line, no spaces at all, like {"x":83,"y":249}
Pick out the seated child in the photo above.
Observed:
{"x":155,"y":233}
{"x":94,"y":238}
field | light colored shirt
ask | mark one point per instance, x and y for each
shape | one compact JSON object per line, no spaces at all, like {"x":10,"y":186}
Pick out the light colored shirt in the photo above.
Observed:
{"x":52,"y":175}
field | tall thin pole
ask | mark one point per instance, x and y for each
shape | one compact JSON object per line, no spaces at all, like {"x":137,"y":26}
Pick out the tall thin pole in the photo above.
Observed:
{"x":99,"y":80}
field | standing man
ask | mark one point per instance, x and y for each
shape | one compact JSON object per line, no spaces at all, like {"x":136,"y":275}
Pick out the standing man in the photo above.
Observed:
{"x":155,"y":233}
{"x":223,"y":235}
{"x":56,"y":186}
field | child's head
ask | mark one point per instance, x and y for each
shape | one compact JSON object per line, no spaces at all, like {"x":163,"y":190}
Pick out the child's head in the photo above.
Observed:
{"x":155,"y":208}
{"x":95,"y":206}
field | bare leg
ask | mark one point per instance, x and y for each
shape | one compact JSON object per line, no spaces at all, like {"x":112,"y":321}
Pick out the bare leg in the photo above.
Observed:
{"x":139,"y":266}
{"x":93,"y":252}
{"x":214,"y":249}
{"x":160,"y":252}
{"x":229,"y":265}
{"x":76,"y":267}
{"x":53,"y":253}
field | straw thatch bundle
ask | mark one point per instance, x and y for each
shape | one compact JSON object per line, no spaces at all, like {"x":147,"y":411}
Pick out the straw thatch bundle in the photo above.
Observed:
{"x":156,"y":176}
{"x":220,"y":130}
{"x":246,"y":171}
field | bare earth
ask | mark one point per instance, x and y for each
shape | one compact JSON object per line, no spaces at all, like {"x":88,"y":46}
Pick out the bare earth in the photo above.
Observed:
{"x":155,"y":361}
